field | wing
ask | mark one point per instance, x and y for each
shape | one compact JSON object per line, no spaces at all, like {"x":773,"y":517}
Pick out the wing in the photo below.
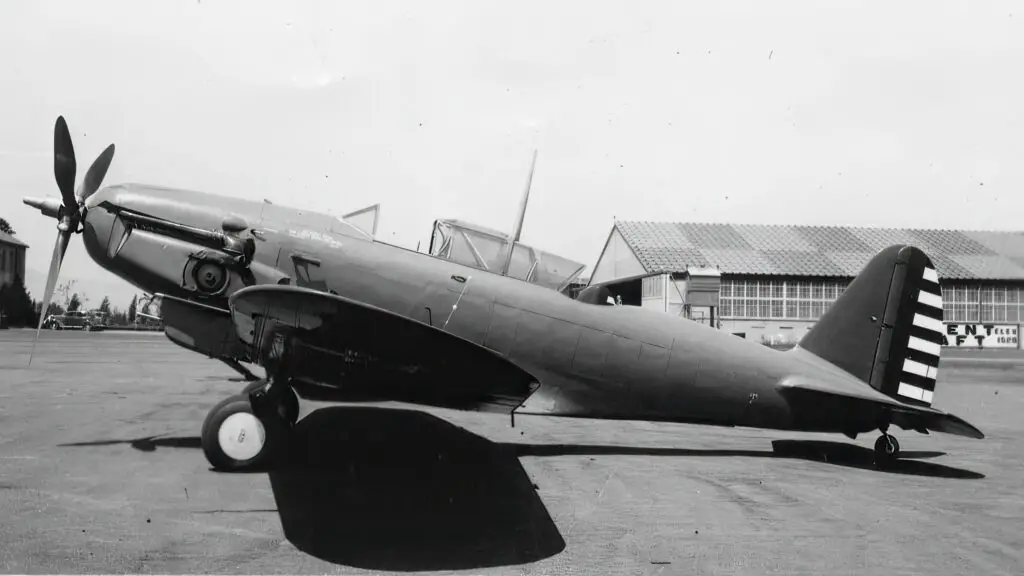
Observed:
{"x":854,"y":394}
{"x":357,"y":352}
{"x":204,"y":329}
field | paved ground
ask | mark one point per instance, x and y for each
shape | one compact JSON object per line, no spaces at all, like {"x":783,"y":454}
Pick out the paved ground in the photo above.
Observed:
{"x":101,"y":471}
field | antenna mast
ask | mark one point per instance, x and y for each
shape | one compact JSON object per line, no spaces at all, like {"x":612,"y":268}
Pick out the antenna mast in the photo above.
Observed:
{"x":518,"y":226}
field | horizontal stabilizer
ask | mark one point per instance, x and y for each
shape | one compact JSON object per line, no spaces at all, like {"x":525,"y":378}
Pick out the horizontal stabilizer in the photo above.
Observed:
{"x":864,"y":399}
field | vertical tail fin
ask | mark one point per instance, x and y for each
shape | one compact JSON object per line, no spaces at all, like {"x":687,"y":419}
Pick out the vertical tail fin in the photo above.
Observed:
{"x":886,"y":329}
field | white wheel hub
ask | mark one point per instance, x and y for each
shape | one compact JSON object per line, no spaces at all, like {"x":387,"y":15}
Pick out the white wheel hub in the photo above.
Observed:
{"x":241,"y":436}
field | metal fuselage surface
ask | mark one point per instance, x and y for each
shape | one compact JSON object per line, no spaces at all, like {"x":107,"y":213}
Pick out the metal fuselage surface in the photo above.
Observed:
{"x":591,"y":360}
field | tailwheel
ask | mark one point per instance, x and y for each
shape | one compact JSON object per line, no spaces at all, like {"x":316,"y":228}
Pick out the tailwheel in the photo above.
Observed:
{"x":887,"y":450}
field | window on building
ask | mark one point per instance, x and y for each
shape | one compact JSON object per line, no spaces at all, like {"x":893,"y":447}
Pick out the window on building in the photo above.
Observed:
{"x":1013,"y":313}
{"x":791,"y":309}
{"x":756,"y":299}
{"x":987,"y":303}
{"x":778,"y":299}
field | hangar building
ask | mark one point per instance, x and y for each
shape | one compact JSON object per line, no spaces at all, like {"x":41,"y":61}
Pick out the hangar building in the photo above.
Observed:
{"x":12,"y":259}
{"x":770,"y":283}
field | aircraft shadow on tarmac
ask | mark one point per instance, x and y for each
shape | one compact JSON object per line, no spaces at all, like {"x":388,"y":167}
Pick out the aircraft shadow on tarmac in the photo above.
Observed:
{"x":393,"y":489}
{"x":837,"y":453}
{"x":147,"y":444}
{"x":401,"y":490}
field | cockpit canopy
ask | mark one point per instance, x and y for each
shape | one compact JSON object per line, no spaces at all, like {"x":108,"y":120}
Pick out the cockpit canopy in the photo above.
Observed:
{"x":483,"y":248}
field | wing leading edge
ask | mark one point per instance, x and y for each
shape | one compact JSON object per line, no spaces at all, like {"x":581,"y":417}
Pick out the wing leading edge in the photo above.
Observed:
{"x":362,"y":353}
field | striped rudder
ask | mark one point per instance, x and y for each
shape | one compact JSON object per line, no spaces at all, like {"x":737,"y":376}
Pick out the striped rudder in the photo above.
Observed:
{"x":916,"y":338}
{"x":886,"y":328}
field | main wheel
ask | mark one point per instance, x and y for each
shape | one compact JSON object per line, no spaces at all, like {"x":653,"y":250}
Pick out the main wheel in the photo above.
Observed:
{"x":887,"y":450}
{"x":233,"y":438}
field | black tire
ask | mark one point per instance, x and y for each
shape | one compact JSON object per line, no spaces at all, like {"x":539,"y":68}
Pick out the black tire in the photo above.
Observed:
{"x":228,"y":433}
{"x":887,"y":450}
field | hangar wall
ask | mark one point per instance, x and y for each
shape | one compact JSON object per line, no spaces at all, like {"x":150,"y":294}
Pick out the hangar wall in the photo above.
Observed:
{"x":780,"y":311}
{"x":617,"y":261}
{"x":770,"y":283}
{"x":12,"y":259}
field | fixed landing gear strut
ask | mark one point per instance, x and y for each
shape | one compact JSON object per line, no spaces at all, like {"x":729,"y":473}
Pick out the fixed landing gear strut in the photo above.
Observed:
{"x":249,"y":430}
{"x":887,"y":449}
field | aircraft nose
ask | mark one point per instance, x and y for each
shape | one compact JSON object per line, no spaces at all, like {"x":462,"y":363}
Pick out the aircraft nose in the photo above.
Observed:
{"x":97,"y":225}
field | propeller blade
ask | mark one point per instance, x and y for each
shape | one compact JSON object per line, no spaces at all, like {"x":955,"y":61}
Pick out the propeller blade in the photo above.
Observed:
{"x":64,"y":167}
{"x":94,"y":177}
{"x":51,"y":281}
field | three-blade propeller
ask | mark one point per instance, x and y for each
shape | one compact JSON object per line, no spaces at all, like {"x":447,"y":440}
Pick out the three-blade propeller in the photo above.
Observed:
{"x":70,"y":209}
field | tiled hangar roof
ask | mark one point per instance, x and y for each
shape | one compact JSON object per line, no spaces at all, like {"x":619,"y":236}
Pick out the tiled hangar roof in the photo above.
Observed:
{"x":818,"y":250}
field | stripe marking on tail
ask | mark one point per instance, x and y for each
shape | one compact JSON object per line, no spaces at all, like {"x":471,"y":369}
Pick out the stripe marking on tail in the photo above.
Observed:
{"x":920,"y":369}
{"x":915,"y":392}
{"x":931,"y":300}
{"x":930,"y":324}
{"x":931,"y":276}
{"x":924,"y":346}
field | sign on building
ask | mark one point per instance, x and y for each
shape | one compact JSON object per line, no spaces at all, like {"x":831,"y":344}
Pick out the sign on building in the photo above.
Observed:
{"x":981,"y":335}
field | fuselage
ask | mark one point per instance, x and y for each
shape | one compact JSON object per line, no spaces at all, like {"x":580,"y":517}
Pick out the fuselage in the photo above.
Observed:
{"x":591,"y":360}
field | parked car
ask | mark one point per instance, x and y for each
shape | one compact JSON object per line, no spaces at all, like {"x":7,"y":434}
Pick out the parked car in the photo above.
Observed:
{"x":76,"y":320}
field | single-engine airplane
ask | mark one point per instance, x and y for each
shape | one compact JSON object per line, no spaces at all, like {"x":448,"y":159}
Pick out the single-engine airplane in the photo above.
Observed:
{"x":329,"y":311}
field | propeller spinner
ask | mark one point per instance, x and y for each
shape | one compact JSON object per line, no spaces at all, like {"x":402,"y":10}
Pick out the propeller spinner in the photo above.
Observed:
{"x":70,"y":209}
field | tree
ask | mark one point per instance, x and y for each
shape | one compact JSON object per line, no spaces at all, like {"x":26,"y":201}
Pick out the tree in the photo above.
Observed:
{"x":64,"y":290}
{"x":132,"y":309}
{"x":16,"y":304}
{"x":105,"y":305}
{"x":117,"y":317}
{"x":5,"y":227}
{"x":75,"y":303}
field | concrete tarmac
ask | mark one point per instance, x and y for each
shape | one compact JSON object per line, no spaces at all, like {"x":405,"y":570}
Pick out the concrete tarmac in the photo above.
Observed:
{"x":101,"y":472}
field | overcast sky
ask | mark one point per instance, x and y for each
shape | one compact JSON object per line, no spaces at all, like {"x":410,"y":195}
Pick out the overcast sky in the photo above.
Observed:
{"x":848,"y":113}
